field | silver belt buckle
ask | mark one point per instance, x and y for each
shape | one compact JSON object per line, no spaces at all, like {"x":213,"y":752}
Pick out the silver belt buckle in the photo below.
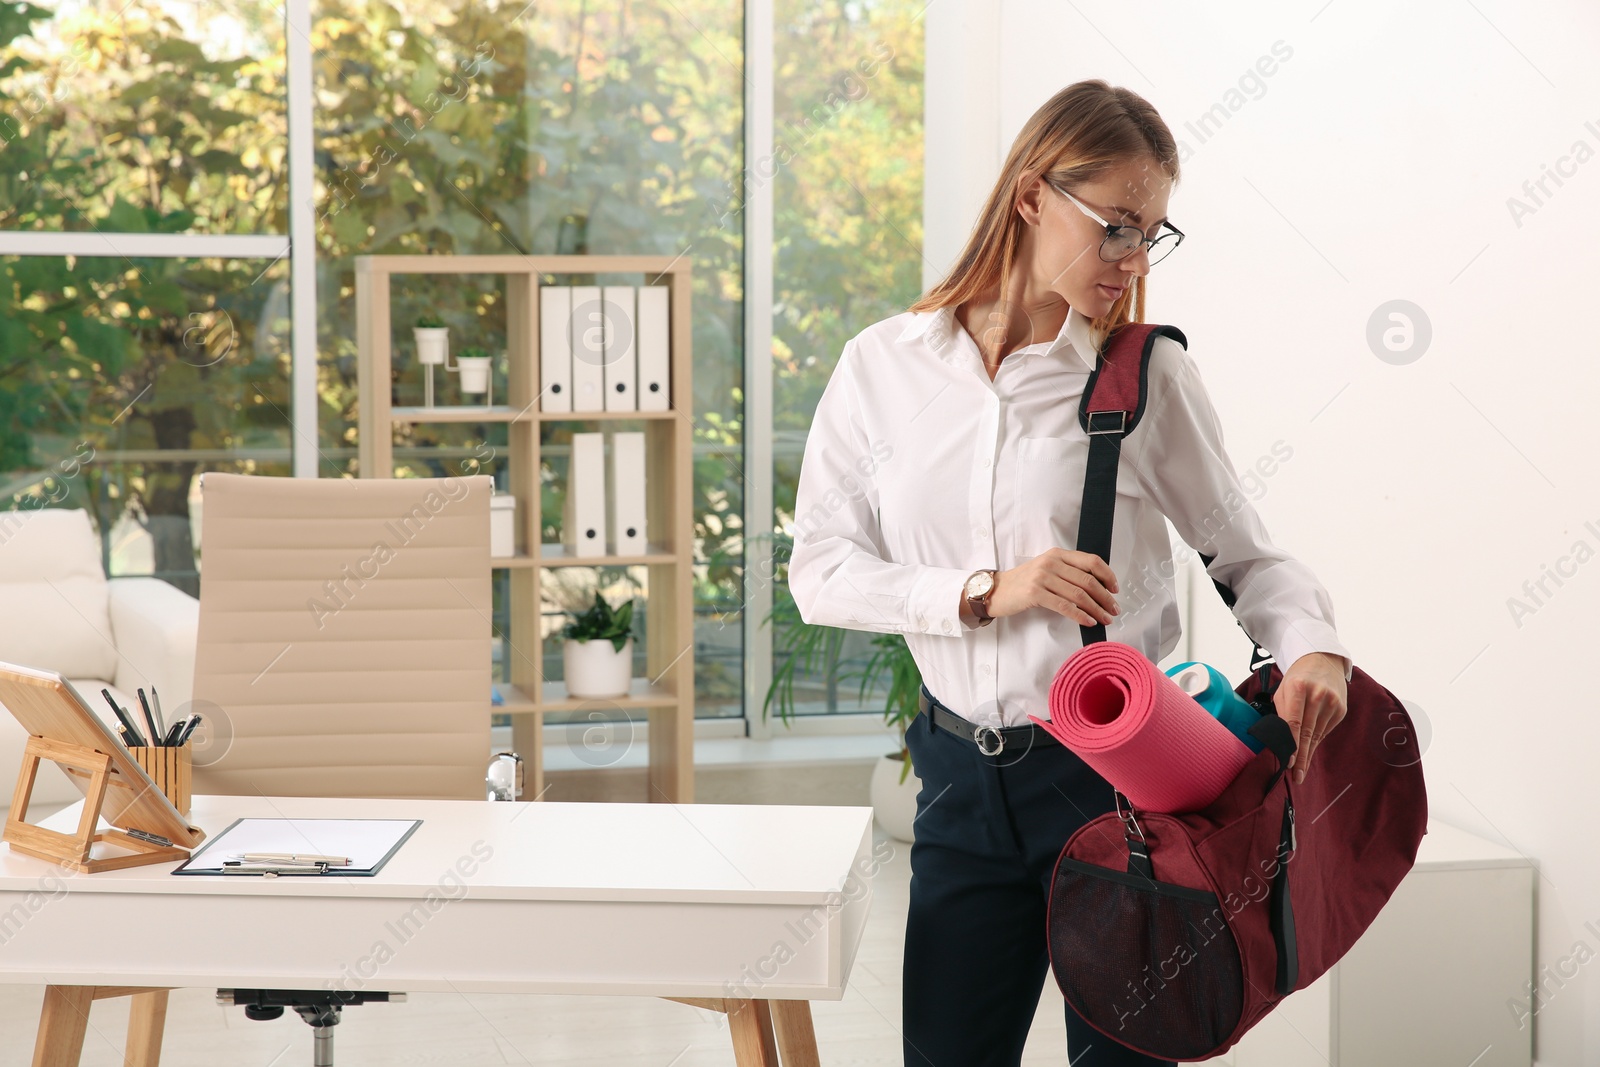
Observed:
{"x":999,"y":740}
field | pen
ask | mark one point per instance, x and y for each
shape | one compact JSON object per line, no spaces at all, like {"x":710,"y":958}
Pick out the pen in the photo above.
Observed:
{"x":291,"y":858}
{"x":125,"y":719}
{"x":194,"y":720}
{"x":173,"y":733}
{"x":177,"y":730}
{"x":149,"y":719}
{"x":271,"y":870}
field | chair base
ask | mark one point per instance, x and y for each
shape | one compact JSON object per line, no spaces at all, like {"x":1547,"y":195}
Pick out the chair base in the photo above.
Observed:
{"x":320,"y":1008}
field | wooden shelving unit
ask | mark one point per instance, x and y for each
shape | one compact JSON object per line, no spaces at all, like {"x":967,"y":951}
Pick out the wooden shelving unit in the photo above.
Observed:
{"x":665,"y":696}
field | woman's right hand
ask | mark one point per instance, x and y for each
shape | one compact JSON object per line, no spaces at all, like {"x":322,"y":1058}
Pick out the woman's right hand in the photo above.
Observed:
{"x":1076,"y":584}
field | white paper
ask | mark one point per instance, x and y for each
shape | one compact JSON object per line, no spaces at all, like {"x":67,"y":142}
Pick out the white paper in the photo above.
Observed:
{"x":365,"y":842}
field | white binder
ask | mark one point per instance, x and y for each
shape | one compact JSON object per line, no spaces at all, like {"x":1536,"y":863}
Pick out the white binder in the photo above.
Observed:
{"x":622,"y":364}
{"x":555,"y":348}
{"x":653,"y":346}
{"x":588,"y":349}
{"x":625,"y":494}
{"x":583,"y":526}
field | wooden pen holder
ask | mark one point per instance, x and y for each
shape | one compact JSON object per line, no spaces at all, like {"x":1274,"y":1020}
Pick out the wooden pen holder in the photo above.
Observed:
{"x":170,"y":768}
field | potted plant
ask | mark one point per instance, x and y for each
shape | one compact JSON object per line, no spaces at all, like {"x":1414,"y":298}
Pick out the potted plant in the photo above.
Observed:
{"x":433,"y":339}
{"x":811,"y":648}
{"x":598,"y":652}
{"x":473,"y":363}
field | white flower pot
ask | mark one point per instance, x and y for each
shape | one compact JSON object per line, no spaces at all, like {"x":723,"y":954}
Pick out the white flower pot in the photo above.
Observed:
{"x":894,"y":804}
{"x":595,"y":669}
{"x":433,"y":343}
{"x":474,"y":373}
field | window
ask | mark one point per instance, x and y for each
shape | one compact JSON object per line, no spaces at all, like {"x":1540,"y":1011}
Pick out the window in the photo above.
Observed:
{"x":561,"y":128}
{"x":148,"y":321}
{"x":144,"y":334}
{"x":847,"y":243}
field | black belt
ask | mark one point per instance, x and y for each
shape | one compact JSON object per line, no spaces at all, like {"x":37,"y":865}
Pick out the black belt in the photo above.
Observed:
{"x":990,"y":740}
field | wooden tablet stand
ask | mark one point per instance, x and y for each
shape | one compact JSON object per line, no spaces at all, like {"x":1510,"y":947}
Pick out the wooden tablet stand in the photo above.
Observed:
{"x":115,"y":787}
{"x":98,"y":773}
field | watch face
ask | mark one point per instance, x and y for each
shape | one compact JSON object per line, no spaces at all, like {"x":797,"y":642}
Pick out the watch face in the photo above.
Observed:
{"x":979,"y":584}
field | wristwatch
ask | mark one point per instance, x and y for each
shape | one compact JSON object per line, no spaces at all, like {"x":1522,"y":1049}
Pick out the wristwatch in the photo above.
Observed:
{"x":977,"y":591}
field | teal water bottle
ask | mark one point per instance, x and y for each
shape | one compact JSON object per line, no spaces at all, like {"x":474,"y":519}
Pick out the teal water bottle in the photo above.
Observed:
{"x":1211,"y":691}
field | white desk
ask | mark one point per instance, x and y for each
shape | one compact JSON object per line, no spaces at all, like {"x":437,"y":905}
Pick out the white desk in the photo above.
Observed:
{"x":750,"y":909}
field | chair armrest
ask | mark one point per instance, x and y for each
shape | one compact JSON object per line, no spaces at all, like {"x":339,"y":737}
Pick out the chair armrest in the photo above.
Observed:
{"x":155,"y":626}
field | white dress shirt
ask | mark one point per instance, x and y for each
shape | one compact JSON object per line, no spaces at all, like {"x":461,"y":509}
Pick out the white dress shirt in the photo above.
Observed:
{"x":919,"y":470}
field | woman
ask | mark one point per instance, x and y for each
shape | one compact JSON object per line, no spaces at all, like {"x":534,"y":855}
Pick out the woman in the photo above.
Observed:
{"x":939,"y":497}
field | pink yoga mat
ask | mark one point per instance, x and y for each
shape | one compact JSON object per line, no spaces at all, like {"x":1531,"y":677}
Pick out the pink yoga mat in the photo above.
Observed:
{"x":1139,"y":731}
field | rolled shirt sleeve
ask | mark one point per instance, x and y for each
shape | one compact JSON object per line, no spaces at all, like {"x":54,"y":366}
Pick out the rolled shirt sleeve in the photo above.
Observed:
{"x":1180,"y":460}
{"x":838,"y":571}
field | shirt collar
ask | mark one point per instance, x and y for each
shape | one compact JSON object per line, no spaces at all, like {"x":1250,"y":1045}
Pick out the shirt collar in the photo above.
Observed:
{"x":939,"y":326}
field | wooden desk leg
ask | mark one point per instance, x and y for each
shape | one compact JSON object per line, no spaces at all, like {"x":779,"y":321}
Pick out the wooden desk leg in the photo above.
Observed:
{"x":751,"y":1024}
{"x":62,"y":1025}
{"x":797,"y":1041}
{"x":147,"y":1022}
{"x":65,"y":1020}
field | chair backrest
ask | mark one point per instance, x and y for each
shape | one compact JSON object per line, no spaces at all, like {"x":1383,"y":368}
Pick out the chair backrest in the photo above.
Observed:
{"x":56,"y":604}
{"x":344,"y":636}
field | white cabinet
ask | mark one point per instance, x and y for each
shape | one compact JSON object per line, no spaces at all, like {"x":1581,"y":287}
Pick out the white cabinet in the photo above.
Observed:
{"x":1430,"y":980}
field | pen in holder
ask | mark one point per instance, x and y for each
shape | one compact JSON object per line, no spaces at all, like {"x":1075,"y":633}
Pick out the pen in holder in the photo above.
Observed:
{"x":169,"y":767}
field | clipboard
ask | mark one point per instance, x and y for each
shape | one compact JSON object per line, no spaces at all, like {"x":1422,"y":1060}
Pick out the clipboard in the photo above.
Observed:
{"x":64,"y":731}
{"x":369,"y":843}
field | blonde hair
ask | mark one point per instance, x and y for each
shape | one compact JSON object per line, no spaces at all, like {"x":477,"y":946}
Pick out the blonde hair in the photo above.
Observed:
{"x":1078,"y":135}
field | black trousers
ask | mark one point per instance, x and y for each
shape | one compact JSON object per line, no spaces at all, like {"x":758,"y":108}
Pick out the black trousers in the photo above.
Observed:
{"x":987,"y":834}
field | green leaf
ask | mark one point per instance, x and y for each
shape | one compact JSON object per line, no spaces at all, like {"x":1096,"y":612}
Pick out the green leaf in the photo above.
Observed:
{"x":100,"y":341}
{"x":600,"y":622}
{"x":179,"y":221}
{"x":165,"y":296}
{"x":125,"y":218}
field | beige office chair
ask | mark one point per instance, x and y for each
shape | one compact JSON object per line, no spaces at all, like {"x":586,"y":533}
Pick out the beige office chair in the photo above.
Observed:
{"x":344,"y":651}
{"x":345,"y":636}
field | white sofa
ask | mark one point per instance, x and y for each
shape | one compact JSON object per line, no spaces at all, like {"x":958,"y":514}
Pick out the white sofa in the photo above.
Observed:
{"x":58,"y":612}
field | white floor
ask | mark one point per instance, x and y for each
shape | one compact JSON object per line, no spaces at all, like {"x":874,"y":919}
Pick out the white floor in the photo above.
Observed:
{"x":446,"y":1028}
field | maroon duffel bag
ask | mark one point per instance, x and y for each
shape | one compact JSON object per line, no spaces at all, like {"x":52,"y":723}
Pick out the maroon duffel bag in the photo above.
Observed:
{"x":1174,"y":934}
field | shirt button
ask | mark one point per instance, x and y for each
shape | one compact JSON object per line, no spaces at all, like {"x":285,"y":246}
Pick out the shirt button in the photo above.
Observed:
{"x":983,"y":535}
{"x":984,"y":668}
{"x":987,"y":461}
{"x":948,"y":626}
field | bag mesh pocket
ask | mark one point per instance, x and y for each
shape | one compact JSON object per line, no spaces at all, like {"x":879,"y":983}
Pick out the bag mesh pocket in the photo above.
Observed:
{"x":1150,"y":963}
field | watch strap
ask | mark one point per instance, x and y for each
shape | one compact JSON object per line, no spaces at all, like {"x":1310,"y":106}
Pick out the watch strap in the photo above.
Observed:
{"x":980,"y":604}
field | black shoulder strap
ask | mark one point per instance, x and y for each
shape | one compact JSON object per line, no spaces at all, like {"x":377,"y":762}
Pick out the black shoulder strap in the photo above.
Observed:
{"x":1260,"y":659}
{"x":1113,"y":403}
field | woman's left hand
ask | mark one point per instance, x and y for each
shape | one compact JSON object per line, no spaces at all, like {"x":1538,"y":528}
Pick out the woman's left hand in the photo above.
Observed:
{"x":1311,"y":699}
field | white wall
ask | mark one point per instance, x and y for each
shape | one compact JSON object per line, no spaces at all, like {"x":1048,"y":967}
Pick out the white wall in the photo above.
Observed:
{"x":1375,"y":164}
{"x":962,"y":150}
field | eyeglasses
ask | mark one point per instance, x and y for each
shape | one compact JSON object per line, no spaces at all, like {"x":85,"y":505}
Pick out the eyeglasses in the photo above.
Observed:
{"x":1123,"y":241}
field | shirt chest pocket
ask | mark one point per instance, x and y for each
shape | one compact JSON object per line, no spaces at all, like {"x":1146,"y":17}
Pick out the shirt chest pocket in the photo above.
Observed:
{"x":1048,"y":496}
